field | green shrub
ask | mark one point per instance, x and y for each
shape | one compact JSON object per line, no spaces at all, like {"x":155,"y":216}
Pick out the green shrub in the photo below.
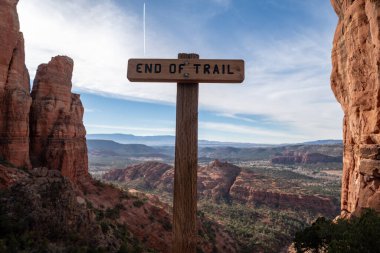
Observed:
{"x":6,"y":163}
{"x":357,"y":235}
{"x":113,"y":213}
{"x":99,"y":183}
{"x":167,"y":225}
{"x":105,"y":227}
{"x":124,"y":195}
{"x":89,"y":205}
{"x":138,"y":203}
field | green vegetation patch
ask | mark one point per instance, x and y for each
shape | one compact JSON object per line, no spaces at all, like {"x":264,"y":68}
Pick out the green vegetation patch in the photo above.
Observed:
{"x":258,"y":229}
{"x":357,"y":235}
{"x":138,"y":203}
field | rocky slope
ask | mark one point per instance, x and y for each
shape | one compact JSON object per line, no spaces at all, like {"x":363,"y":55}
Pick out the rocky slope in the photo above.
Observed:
{"x":57,"y":132}
{"x":355,"y":81}
{"x":15,"y":99}
{"x":222,"y":182}
{"x":48,"y":212}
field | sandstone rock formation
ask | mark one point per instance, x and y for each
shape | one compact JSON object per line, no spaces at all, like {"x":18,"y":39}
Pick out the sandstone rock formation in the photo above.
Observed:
{"x":304,"y":158}
{"x":221,"y":181}
{"x":57,"y":136}
{"x":216,"y":179}
{"x":249,"y":189}
{"x":149,"y":171}
{"x":355,"y":81}
{"x":14,"y":89}
{"x":57,"y":132}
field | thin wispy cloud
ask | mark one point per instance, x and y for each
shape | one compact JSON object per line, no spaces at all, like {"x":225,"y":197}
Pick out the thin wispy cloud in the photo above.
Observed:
{"x":98,"y":36}
{"x":133,"y":130}
{"x":252,"y":134}
{"x":224,"y":3}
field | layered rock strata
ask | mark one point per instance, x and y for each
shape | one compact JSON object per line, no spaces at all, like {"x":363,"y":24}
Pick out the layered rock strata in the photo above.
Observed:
{"x":57,"y":132}
{"x":249,"y":189}
{"x":355,"y":81}
{"x":15,"y":99}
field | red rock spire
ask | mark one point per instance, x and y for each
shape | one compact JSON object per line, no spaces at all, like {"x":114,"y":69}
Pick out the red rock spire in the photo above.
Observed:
{"x":57,"y":132}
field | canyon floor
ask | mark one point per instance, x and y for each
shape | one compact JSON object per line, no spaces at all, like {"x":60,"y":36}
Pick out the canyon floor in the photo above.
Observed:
{"x":260,"y":196}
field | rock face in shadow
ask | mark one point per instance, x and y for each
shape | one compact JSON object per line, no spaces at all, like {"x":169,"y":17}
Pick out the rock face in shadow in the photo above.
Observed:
{"x":57,"y":133}
{"x":355,"y":80}
{"x":14,"y":89}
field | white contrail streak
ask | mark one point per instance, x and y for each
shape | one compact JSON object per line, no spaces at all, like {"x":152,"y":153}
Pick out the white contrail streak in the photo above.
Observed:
{"x":144,"y":31}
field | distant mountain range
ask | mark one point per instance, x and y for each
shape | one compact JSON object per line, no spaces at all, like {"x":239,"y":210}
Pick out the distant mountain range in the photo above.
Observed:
{"x":324,"y":142}
{"x":169,"y":140}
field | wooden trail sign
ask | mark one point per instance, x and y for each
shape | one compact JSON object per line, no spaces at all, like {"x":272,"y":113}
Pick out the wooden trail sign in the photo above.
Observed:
{"x":188,"y":71}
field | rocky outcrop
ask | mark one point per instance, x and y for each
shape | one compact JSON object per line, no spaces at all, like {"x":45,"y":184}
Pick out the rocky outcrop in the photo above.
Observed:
{"x":14,"y":89}
{"x":10,"y":176}
{"x":248,"y":189}
{"x":57,"y":132}
{"x":149,"y":172}
{"x":304,"y":158}
{"x":216,"y":179}
{"x":355,"y":81}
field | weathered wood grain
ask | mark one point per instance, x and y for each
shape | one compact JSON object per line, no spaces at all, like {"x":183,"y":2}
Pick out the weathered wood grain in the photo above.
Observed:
{"x":186,"y":163}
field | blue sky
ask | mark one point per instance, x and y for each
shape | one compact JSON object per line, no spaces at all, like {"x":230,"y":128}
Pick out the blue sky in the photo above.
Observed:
{"x":286,"y":45}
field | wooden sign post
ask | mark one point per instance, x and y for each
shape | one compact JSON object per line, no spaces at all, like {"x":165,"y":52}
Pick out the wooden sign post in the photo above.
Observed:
{"x":188,"y":71}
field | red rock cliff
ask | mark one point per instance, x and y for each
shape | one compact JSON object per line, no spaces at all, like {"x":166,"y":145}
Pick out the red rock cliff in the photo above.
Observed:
{"x":57,"y":133}
{"x":355,"y":81}
{"x":14,"y":89}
